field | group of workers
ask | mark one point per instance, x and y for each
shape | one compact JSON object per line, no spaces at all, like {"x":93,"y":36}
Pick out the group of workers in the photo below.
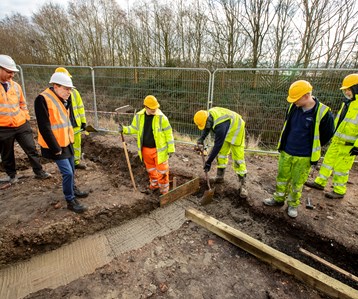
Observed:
{"x":60,"y":114}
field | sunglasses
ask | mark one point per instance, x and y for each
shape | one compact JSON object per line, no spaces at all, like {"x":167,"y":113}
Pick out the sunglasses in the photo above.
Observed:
{"x":9,"y":72}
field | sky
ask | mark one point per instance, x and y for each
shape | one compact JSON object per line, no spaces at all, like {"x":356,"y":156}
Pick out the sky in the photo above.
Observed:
{"x":28,"y":7}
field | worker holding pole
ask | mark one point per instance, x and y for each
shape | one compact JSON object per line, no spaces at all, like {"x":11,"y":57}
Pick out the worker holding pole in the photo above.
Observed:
{"x":308,"y":126}
{"x":344,"y":146}
{"x":155,"y":142}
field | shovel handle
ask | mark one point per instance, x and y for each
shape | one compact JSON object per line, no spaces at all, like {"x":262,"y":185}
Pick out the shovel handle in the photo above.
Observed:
{"x":128,"y":162}
{"x":206,"y":174}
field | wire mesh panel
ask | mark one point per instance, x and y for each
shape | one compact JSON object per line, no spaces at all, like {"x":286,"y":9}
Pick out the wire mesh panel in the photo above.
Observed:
{"x":180,"y":93}
{"x":259,"y":95}
{"x":37,"y":77}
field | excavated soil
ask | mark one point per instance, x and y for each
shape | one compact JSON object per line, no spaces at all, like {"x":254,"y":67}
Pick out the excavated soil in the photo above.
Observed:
{"x":190,"y":262}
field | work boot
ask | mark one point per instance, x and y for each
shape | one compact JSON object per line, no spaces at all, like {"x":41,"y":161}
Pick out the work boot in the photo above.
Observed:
{"x":242,"y":190}
{"x":42,"y":175}
{"x":220,"y":172}
{"x":13,"y":180}
{"x":80,"y":166}
{"x":75,"y":206}
{"x":292,"y":212}
{"x":333,"y":195}
{"x":314,"y":185}
{"x":79,"y":193}
{"x":272,"y":202}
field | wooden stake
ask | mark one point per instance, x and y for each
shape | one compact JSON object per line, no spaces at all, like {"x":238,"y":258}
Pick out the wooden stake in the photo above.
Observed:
{"x":179,"y":192}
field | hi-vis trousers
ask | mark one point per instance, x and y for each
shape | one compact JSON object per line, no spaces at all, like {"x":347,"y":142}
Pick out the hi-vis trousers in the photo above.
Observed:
{"x":158,"y":173}
{"x":293,"y":172}
{"x":337,"y":160}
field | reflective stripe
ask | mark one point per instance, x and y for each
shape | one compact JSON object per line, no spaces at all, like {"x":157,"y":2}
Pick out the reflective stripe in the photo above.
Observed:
{"x":339,"y":184}
{"x":281,"y":183}
{"x":11,"y":113}
{"x":346,"y":137}
{"x":150,"y":169}
{"x":280,"y":194}
{"x":327,"y":166}
{"x":337,"y":173}
{"x":221,"y":165}
{"x":223,"y":156}
{"x":239,"y":161}
{"x":323,"y":177}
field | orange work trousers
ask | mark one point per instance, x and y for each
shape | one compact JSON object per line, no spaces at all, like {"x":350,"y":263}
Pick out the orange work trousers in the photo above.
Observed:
{"x":158,"y":173}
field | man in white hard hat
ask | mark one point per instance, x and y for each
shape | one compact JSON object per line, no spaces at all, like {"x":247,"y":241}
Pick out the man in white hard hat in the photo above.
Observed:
{"x":56,"y":135}
{"x":78,"y":120}
{"x":14,"y":123}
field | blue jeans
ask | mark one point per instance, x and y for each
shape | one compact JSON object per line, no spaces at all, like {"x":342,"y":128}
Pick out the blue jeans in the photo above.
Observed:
{"x":67,"y":169}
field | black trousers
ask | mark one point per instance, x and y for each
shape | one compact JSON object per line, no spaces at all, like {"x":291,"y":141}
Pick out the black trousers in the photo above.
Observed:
{"x":23,"y":135}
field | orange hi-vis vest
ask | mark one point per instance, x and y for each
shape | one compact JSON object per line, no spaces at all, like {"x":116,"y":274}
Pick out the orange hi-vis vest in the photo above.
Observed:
{"x":13,"y":108}
{"x":60,"y":120}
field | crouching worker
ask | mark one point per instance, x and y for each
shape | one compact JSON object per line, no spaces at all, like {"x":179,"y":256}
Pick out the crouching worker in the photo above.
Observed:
{"x":229,"y":130}
{"x":56,"y":136}
{"x":155,"y":142}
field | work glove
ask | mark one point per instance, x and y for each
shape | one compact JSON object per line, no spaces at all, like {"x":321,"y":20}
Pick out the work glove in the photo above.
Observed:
{"x":354,"y":151}
{"x":207,"y":167}
{"x":170,"y":155}
{"x":120,"y":128}
{"x":83,"y":126}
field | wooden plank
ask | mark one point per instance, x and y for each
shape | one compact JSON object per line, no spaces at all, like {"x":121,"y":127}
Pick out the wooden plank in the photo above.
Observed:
{"x":181,"y":191}
{"x":328,"y":264}
{"x":301,"y":271}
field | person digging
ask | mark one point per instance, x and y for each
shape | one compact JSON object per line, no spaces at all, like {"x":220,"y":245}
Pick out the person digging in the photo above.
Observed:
{"x":229,"y":129}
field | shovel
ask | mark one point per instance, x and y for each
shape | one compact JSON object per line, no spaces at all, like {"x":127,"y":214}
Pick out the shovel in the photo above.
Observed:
{"x":208,"y":194}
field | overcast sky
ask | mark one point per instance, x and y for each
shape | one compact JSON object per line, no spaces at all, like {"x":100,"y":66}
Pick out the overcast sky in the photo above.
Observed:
{"x":28,"y":7}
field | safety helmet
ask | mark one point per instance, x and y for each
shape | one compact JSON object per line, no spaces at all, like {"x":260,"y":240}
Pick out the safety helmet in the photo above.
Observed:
{"x":63,"y":70}
{"x":151,"y":102}
{"x":61,"y":79}
{"x":298,"y":89}
{"x":8,"y":63}
{"x":200,"y":119}
{"x":349,"y":81}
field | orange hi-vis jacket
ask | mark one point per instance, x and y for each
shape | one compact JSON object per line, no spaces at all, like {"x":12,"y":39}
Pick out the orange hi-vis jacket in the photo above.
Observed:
{"x":59,"y":119}
{"x":13,"y":108}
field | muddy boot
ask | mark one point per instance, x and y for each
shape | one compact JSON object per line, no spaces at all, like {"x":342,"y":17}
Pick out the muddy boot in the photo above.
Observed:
{"x":220,"y":172}
{"x":242,"y":190}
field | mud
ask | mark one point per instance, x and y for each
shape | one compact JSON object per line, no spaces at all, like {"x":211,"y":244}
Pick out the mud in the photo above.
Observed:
{"x":190,"y":262}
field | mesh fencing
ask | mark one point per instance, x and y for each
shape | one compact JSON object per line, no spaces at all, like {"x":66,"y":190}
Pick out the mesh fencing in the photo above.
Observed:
{"x":259,"y":95}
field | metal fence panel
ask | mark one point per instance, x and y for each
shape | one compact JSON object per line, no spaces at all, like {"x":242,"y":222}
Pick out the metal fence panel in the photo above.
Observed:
{"x":259,"y":95}
{"x":180,"y":92}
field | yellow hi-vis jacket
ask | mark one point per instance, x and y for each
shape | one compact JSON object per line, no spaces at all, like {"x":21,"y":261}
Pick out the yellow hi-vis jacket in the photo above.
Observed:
{"x":13,"y":108}
{"x":78,"y":108}
{"x":316,"y":145}
{"x":162,"y":131}
{"x":348,"y":128}
{"x":59,"y":120}
{"x":237,"y":125}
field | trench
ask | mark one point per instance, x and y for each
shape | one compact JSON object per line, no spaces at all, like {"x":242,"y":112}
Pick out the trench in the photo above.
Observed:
{"x":83,"y":256}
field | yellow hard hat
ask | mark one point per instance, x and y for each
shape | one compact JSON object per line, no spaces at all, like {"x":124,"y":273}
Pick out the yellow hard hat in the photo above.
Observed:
{"x":200,"y":118}
{"x":63,"y":70}
{"x":298,"y":89}
{"x":151,"y":102}
{"x":349,"y":81}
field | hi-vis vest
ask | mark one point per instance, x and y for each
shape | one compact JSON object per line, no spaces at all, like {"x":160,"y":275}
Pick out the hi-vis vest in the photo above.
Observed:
{"x":162,"y":131}
{"x":316,"y":145}
{"x":236,"y":130}
{"x":78,"y":108}
{"x":348,"y":128}
{"x":59,"y":119}
{"x":13,"y":108}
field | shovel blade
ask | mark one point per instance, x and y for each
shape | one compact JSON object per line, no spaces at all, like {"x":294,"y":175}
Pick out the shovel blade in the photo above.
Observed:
{"x":90,"y":128}
{"x":207,"y":197}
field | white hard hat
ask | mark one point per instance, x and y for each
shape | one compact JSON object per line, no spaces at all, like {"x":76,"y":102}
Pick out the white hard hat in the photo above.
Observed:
{"x":61,"y":79}
{"x":8,"y":63}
